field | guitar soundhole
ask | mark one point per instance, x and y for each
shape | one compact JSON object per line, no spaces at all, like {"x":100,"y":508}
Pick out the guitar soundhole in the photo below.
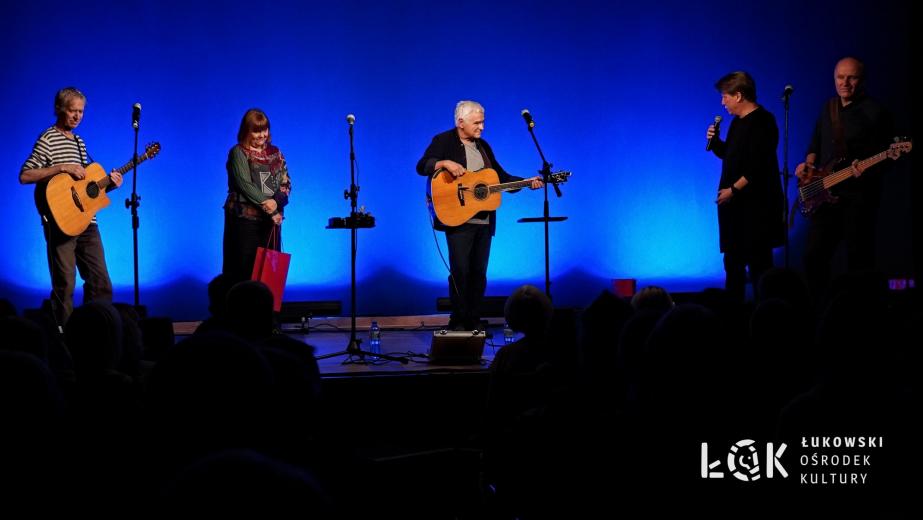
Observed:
{"x":92,"y":190}
{"x":481,"y":191}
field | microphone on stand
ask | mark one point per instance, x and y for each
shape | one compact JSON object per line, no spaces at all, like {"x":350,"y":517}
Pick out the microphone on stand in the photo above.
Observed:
{"x":351,"y":119}
{"x":717,"y":131}
{"x":787,"y":92}
{"x":528,"y":117}
{"x":135,"y":115}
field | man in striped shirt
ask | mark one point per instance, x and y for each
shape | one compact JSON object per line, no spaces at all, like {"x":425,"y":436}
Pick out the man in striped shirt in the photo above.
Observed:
{"x":59,"y":150}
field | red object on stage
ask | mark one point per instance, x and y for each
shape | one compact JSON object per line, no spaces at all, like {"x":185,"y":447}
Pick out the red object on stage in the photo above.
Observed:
{"x":271,"y":268}
{"x":624,"y":287}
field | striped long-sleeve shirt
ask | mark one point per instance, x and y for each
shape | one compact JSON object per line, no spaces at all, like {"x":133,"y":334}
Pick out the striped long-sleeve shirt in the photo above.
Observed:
{"x":52,"y":148}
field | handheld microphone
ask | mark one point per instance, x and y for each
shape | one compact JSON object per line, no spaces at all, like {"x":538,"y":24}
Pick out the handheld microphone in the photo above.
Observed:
{"x":135,"y":115}
{"x":528,"y":117}
{"x":351,"y":119}
{"x":717,"y":130}
{"x":787,"y":92}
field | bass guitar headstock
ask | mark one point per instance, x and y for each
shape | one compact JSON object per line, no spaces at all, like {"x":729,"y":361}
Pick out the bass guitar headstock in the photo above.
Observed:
{"x":901,"y":145}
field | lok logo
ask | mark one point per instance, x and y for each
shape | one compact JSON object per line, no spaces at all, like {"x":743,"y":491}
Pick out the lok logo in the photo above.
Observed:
{"x":743,"y":461}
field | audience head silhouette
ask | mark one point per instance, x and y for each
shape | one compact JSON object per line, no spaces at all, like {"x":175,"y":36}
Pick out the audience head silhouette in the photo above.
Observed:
{"x":249,"y":310}
{"x":652,"y":297}
{"x":528,"y":310}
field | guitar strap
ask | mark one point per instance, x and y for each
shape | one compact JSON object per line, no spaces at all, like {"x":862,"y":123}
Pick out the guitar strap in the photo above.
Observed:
{"x":483,"y":153}
{"x":86,"y":155}
{"x":839,"y":137}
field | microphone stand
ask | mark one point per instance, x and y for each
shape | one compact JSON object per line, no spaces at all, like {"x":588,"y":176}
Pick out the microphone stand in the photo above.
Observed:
{"x":786,"y":176}
{"x":545,"y":218}
{"x":133,"y":203}
{"x":355,"y":221}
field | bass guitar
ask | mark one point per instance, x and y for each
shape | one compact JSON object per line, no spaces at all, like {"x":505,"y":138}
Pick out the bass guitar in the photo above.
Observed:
{"x":814,"y":189}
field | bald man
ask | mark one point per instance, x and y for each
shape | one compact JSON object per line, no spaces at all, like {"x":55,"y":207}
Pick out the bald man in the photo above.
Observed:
{"x":851,"y":126}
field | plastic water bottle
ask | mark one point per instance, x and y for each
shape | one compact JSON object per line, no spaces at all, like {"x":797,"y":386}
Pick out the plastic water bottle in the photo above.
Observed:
{"x":507,"y":333}
{"x":375,"y":338}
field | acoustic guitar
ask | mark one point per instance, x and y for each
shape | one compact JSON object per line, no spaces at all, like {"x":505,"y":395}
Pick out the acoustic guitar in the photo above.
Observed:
{"x":814,"y":189}
{"x":455,"y":200}
{"x":74,"y":203}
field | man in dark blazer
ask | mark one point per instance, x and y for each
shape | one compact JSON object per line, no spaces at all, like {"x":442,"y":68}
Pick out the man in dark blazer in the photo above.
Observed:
{"x":457,"y":151}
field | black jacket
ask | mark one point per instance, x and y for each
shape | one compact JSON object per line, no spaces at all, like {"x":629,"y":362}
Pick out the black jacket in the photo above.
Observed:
{"x":448,"y":145}
{"x":752,"y":220}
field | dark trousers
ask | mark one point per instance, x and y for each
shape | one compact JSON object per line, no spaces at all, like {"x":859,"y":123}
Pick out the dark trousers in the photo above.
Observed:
{"x":736,"y":267}
{"x":66,"y":256}
{"x":849,"y":221}
{"x":469,"y":252}
{"x":241,"y":238}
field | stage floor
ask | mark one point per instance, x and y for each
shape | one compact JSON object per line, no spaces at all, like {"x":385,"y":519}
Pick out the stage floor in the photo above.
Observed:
{"x":405,"y":336}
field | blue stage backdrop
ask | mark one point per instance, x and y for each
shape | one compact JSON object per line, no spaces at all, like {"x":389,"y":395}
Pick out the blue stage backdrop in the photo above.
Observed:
{"x":621,"y":94}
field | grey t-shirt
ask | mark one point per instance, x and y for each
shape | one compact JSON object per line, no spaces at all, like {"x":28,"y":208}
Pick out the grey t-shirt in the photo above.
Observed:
{"x":475,"y":162}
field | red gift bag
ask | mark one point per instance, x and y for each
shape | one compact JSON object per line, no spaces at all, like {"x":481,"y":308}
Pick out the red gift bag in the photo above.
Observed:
{"x":271,"y":268}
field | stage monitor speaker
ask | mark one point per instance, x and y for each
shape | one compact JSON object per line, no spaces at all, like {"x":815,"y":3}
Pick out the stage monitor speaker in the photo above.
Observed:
{"x":457,"y":347}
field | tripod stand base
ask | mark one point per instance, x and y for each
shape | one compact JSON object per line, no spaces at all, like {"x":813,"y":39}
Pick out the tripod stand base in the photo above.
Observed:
{"x":353,"y":349}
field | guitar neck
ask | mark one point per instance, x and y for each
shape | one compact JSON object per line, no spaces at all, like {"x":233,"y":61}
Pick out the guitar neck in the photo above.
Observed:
{"x":509,"y":186}
{"x":124,"y":168}
{"x":131,"y":164}
{"x":837,"y":177}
